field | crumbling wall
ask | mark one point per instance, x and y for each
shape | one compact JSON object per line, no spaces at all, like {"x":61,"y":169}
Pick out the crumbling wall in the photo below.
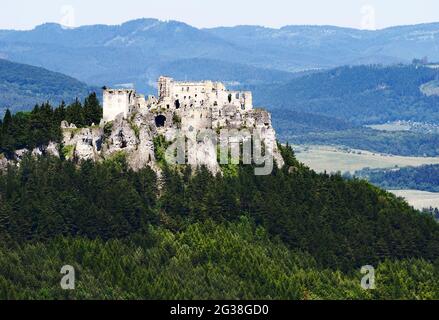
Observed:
{"x":118,"y":101}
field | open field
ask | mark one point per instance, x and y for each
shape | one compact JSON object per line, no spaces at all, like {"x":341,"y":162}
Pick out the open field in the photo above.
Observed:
{"x":390,"y":127}
{"x":334,"y":159}
{"x":419,"y":199}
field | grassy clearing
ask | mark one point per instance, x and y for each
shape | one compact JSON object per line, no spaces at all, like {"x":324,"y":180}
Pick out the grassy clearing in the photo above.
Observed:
{"x":419,"y":199}
{"x":392,"y":127}
{"x":334,"y":159}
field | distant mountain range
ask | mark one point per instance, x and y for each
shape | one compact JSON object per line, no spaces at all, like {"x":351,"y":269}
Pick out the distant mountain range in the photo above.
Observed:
{"x":309,"y":77}
{"x":332,"y":107}
{"x":359,"y":94}
{"x":138,"y":51}
{"x":22,"y":86}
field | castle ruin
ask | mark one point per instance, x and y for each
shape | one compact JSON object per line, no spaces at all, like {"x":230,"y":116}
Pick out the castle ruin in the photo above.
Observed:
{"x":206,"y":100}
{"x":181,"y":106}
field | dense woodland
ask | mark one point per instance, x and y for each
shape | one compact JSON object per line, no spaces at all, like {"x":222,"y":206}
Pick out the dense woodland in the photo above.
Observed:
{"x":365,"y":94}
{"x":331,"y":107}
{"x":41,"y":125}
{"x":294,"y":234}
{"x":424,"y":178}
{"x":404,"y":143}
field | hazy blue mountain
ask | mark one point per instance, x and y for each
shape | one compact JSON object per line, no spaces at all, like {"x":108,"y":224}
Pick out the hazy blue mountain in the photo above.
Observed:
{"x":358,"y":94}
{"x":330,"y":107}
{"x":118,"y":54}
{"x":233,"y":74}
{"x":298,"y":47}
{"x":137,"y":51}
{"x":22,"y":86}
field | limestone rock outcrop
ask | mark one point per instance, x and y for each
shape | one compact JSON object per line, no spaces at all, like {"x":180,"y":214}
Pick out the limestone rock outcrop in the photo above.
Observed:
{"x":190,"y":114}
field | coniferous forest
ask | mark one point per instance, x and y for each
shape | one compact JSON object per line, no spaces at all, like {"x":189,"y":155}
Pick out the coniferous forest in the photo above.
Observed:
{"x":424,"y":178}
{"x":42,"y":125}
{"x":294,"y":234}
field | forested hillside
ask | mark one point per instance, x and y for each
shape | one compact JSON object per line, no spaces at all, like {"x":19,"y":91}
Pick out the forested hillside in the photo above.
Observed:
{"x":187,"y":234}
{"x":22,"y":86}
{"x":424,"y":178}
{"x":290,"y":124}
{"x":205,"y":261}
{"x":28,"y":130}
{"x":359,"y":94}
{"x":332,"y":107}
{"x":293,"y":234}
{"x":396,"y":143}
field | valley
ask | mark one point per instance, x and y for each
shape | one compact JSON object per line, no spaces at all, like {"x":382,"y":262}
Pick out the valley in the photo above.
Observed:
{"x":342,"y":159}
{"x":91,"y":181}
{"x":333,"y":159}
{"x":22,"y":86}
{"x":419,"y":199}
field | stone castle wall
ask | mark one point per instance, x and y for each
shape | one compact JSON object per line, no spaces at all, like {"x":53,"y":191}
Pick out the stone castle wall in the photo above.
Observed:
{"x":185,"y":107}
{"x":131,"y":123}
{"x":118,"y":101}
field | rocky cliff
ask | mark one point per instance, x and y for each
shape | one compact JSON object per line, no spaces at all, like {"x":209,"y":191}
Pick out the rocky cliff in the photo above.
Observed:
{"x":135,"y":137}
{"x":143,"y":139}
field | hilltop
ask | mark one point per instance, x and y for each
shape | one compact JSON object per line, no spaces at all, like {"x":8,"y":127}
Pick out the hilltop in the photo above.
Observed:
{"x":22,"y":86}
{"x":292,"y":233}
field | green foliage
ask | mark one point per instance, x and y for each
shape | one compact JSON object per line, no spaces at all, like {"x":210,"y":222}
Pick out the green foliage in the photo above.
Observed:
{"x":358,"y":94}
{"x":55,"y":198}
{"x":29,"y":130}
{"x":424,"y":178}
{"x":330,"y":107}
{"x":397,"y":143}
{"x":134,"y":127}
{"x":108,"y":128}
{"x":42,"y":125}
{"x":316,"y":213}
{"x":160,"y":146}
{"x":205,"y":261}
{"x":294,"y":234}
{"x":92,"y":110}
{"x":176,"y":119}
{"x":21,"y":86}
{"x":230,"y":170}
{"x":117,"y":161}
{"x":67,"y":151}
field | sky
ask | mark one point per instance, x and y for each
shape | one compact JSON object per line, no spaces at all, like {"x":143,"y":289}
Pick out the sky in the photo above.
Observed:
{"x":361,"y":14}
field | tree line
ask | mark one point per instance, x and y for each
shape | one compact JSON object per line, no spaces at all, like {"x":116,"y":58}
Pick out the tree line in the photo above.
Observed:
{"x":190,"y":234}
{"x":342,"y":224}
{"x":42,"y":125}
{"x":424,"y":178}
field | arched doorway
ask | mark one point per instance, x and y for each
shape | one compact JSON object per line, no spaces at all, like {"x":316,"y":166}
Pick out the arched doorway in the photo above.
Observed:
{"x":177,"y":104}
{"x":160,"y":121}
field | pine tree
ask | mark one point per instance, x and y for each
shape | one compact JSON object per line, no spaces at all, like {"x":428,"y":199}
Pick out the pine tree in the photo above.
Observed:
{"x":92,"y":110}
{"x":7,"y":120}
{"x":75,"y":114}
{"x":60,"y":113}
